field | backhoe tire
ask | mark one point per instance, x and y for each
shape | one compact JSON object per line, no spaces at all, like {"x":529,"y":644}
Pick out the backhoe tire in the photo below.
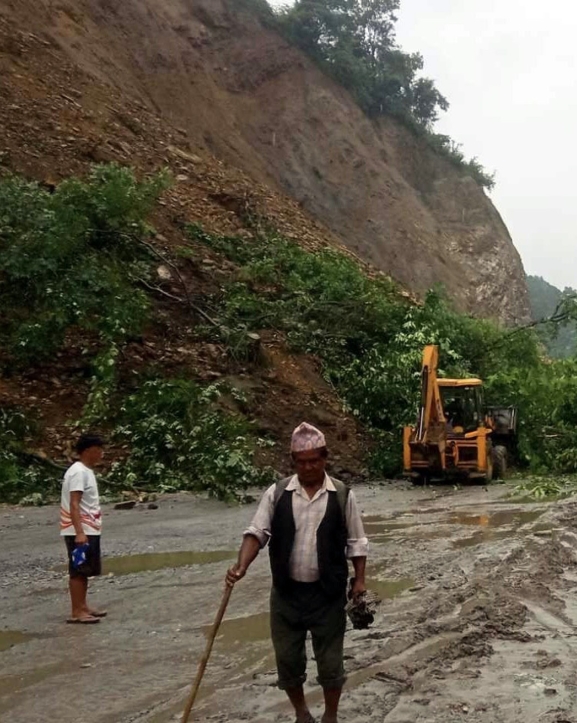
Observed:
{"x":499,"y":462}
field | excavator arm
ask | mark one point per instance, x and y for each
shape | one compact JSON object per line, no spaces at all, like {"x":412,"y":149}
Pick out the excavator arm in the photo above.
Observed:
{"x":431,"y":418}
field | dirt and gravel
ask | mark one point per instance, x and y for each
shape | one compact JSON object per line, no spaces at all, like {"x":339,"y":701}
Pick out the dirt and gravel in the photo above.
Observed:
{"x":477,"y":621}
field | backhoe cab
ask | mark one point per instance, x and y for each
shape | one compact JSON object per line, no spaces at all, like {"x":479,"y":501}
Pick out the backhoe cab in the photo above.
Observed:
{"x":455,"y":435}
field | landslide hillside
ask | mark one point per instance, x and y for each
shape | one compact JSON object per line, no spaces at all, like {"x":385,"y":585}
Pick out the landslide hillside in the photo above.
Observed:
{"x":256,"y":138}
{"x":82,"y":80}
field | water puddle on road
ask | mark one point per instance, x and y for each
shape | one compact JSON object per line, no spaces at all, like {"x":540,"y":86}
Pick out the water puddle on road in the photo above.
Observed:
{"x":379,"y":525}
{"x":480,"y":538}
{"x":501,"y":518}
{"x":491,"y":523}
{"x":10,"y":638}
{"x":490,"y":526}
{"x":389,"y":589}
{"x":249,"y":629}
{"x":149,"y":562}
{"x":246,"y":645}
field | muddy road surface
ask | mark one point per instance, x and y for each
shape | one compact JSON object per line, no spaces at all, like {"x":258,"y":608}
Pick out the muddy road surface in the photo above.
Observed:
{"x":477,"y":622}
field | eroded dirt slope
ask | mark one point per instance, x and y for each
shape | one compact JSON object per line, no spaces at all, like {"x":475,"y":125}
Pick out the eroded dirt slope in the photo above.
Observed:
{"x":236,"y":90}
{"x":57,"y":120}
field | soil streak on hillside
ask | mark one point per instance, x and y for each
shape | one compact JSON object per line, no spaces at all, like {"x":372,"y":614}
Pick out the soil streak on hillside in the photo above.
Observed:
{"x":478,"y":621}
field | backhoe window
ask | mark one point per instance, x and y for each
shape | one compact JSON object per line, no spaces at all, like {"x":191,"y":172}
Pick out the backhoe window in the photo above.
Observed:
{"x":462,"y":408}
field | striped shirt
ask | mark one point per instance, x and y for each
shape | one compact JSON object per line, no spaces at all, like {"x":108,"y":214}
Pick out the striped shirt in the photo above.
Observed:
{"x":80,"y":478}
{"x":308,"y":514}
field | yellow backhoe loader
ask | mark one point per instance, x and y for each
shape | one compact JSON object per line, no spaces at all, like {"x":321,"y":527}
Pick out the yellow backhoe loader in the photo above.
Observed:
{"x":455,"y":434}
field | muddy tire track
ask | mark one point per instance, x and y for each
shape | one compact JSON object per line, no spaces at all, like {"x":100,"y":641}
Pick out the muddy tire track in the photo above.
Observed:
{"x":478,"y":623}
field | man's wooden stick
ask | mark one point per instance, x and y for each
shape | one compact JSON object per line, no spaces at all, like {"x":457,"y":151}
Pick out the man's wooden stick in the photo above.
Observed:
{"x":207,"y":652}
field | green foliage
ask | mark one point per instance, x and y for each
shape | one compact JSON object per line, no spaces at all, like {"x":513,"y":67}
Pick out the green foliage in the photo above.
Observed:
{"x":354,"y":41}
{"x":559,"y":339}
{"x":71,"y":259}
{"x":98,"y":406}
{"x":20,"y":481}
{"x":180,"y":439}
{"x":72,"y":262}
{"x":13,"y":429}
{"x":540,"y":488}
{"x":370,"y":340}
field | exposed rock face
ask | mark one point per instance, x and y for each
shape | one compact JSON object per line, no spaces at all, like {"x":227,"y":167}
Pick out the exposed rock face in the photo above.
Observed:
{"x":239,"y":91}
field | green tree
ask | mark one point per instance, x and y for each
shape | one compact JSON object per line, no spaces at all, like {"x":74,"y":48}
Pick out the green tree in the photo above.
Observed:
{"x":547,"y":300}
{"x":354,"y":41}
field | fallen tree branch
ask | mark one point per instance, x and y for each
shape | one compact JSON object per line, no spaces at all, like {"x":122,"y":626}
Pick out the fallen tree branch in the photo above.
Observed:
{"x":176,"y":270}
{"x":158,"y":290}
{"x":39,"y":459}
{"x":560,"y":315}
{"x":155,"y":252}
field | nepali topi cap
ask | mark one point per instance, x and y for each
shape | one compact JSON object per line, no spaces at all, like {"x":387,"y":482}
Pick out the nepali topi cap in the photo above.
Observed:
{"x":306,"y":437}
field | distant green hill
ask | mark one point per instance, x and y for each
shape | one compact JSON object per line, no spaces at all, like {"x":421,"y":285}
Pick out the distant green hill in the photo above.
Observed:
{"x":544,"y":299}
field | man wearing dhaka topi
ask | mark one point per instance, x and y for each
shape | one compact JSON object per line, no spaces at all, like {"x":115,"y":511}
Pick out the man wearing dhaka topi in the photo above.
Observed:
{"x":313,"y":527}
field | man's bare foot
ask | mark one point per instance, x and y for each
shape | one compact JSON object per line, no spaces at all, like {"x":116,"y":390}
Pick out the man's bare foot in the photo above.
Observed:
{"x":306,"y":719}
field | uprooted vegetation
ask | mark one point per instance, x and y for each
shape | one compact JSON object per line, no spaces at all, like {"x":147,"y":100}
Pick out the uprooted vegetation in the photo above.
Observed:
{"x":369,"y":339}
{"x":79,"y":269}
{"x":76,"y":263}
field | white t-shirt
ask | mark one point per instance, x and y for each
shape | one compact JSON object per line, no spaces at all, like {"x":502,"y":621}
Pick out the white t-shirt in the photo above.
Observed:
{"x":79,"y":478}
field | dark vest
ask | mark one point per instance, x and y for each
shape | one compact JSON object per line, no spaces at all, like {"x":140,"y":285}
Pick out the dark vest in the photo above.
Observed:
{"x":331,"y":546}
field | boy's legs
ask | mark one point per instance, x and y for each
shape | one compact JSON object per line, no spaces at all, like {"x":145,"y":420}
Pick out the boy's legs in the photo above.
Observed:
{"x":78,"y":580}
{"x":78,"y":586}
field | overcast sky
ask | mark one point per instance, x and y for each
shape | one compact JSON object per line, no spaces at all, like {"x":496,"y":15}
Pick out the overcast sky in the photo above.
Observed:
{"x":509,"y":70}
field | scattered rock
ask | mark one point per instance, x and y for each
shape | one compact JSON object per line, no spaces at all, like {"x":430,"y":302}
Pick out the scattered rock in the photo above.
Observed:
{"x":152,"y":506}
{"x":128,"y":505}
{"x":184,"y":155}
{"x":164,"y":273}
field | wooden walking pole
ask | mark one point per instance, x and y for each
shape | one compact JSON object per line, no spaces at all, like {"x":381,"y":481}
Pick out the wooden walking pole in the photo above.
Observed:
{"x":207,"y":652}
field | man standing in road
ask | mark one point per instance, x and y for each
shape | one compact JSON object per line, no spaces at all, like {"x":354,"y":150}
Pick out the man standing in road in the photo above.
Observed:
{"x":81,"y":525}
{"x":313,"y":525}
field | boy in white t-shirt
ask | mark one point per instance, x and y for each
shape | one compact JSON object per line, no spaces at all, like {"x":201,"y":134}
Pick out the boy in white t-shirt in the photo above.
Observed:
{"x":81,"y":525}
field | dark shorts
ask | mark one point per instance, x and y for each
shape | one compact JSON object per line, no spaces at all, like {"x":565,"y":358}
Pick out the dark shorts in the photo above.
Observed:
{"x":93,"y":565}
{"x":292,"y":616}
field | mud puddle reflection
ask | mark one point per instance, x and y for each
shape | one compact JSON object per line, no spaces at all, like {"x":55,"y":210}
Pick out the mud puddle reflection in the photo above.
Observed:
{"x":501,"y":518}
{"x":389,"y":589}
{"x":245,"y":643}
{"x":238,"y":631}
{"x":492,"y":526}
{"x":10,"y":638}
{"x":152,"y":561}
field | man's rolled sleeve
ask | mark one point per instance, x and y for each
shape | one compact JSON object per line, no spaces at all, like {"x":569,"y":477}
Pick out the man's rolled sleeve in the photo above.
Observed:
{"x":261,"y":523}
{"x":357,"y":542}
